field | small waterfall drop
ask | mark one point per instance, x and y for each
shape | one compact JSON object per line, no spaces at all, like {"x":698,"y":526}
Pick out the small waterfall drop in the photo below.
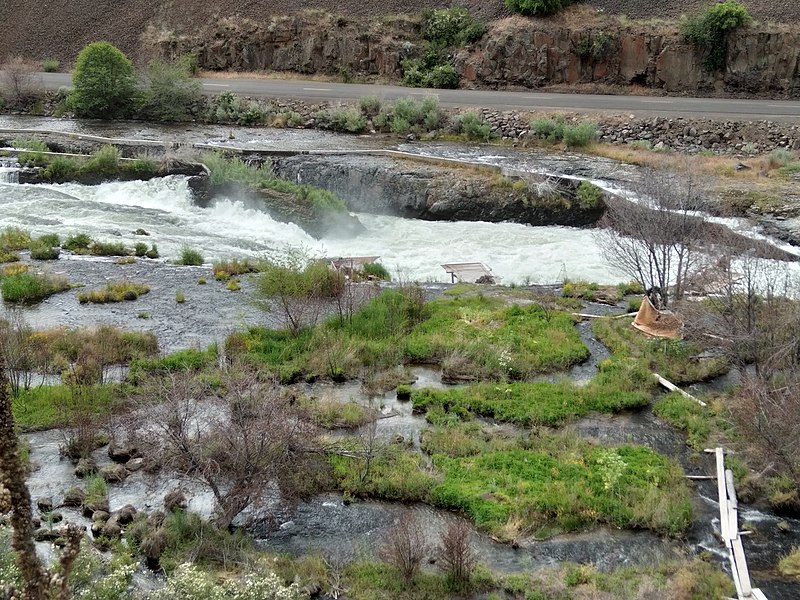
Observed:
{"x":9,"y":170}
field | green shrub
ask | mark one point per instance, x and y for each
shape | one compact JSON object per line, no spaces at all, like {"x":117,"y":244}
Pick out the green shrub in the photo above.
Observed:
{"x":548,"y":129}
{"x":6,"y":256}
{"x":153,"y":252}
{"x":50,"y":65}
{"x":103,"y":83}
{"x":451,"y":27}
{"x":180,"y":297}
{"x":31,"y":144}
{"x":78,"y":243}
{"x":472,"y":126}
{"x":118,"y":291}
{"x":104,"y":161}
{"x":227,"y":107}
{"x":537,"y":8}
{"x":140,"y":249}
{"x":370,"y":106}
{"x":709,"y":30}
{"x":144,"y":167}
{"x":61,"y":168}
{"x":27,"y":288}
{"x":589,"y":195}
{"x":190,"y":257}
{"x":580,"y":135}
{"x":171,"y":94}
{"x":350,"y":120}
{"x":376,"y":271}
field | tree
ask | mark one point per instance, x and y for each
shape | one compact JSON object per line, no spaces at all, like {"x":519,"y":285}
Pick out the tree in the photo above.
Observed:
{"x":103,"y":83}
{"x":300,"y":288}
{"x":653,"y":235}
{"x":238,"y":441}
{"x":39,"y":583}
{"x":171,"y":94}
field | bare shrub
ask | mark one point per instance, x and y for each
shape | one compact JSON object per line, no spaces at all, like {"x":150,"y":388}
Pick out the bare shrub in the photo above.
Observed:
{"x":653,"y":235}
{"x":404,"y":546}
{"x":242,"y":442}
{"x":15,"y":344}
{"x":456,"y":557}
{"x":17,"y":81}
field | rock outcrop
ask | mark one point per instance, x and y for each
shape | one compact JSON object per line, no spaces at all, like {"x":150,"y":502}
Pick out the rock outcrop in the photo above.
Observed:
{"x":409,"y":189}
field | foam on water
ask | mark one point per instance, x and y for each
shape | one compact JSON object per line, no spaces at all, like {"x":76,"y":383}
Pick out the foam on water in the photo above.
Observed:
{"x":412,"y":248}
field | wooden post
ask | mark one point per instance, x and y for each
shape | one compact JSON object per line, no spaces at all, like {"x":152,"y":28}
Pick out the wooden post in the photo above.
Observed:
{"x":674,"y":388}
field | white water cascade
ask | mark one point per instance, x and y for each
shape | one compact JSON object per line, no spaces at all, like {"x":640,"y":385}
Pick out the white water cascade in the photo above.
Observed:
{"x":411,"y":249}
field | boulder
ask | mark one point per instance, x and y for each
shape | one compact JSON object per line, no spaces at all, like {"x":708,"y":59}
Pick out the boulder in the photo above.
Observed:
{"x":46,"y":534}
{"x":100,"y":516}
{"x":114,"y":473}
{"x":74,"y":497}
{"x":84,"y":468}
{"x":111,"y":530}
{"x":134,"y":464}
{"x":122,"y":453}
{"x":44,"y":504}
{"x":125,"y":514}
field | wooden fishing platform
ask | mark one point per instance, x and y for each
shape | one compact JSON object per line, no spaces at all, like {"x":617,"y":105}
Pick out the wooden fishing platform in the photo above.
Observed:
{"x":349,"y":264}
{"x":468,"y":272}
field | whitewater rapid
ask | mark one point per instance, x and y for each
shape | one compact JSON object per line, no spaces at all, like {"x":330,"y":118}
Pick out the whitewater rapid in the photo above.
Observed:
{"x":413,"y":250}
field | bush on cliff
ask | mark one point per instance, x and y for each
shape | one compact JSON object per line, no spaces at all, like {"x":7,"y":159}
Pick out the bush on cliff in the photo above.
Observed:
{"x":709,"y":31}
{"x":103,"y":83}
{"x":537,"y":8}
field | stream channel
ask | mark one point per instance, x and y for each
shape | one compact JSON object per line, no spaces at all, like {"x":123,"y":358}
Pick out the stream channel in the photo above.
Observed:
{"x":412,"y":249}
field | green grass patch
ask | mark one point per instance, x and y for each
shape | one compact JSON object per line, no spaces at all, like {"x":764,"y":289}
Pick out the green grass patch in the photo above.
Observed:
{"x":225,"y":269}
{"x":183,"y":360}
{"x":685,"y":414}
{"x":51,"y":406}
{"x":517,"y":492}
{"x":29,"y":288}
{"x":109,"y":249}
{"x":190,"y":257}
{"x":7,"y":256}
{"x":338,"y":415}
{"x":118,"y":291}
{"x":673,"y":359}
{"x":78,"y":243}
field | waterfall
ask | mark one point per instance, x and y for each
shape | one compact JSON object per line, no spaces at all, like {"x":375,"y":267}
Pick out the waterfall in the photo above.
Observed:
{"x":9,"y":175}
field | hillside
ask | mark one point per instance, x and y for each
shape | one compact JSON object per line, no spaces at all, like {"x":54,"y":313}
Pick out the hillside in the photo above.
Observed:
{"x":60,"y":28}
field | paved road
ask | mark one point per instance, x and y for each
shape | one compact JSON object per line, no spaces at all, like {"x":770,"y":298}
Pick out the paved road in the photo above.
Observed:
{"x":668,"y":106}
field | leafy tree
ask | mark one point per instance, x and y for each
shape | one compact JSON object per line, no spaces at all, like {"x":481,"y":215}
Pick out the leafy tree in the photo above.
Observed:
{"x":103,"y":82}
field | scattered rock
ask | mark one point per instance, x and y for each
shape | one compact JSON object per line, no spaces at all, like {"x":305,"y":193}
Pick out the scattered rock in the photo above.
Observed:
{"x":140,"y":232}
{"x":44,"y":504}
{"x":111,"y":530}
{"x":784,"y":526}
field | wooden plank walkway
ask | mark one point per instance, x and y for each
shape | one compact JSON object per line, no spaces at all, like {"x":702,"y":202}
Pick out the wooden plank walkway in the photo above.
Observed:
{"x":729,"y":530}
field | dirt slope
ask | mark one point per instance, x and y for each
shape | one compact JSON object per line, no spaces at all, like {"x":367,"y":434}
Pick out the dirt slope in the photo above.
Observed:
{"x":60,"y":28}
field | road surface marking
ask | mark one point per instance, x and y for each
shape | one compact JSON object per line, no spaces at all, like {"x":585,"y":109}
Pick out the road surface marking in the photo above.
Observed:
{"x":217,"y":84}
{"x":317,"y":89}
{"x":657,"y":102}
{"x":422,"y":94}
{"x":539,"y":97}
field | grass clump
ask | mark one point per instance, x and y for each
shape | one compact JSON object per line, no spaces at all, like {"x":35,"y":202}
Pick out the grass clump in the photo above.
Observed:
{"x":104,"y":161}
{"x":44,"y":252}
{"x":473,"y":127}
{"x":789,"y":565}
{"x":14,"y":238}
{"x":183,"y":360}
{"x":225,"y":269}
{"x":338,"y":415}
{"x":118,"y":291}
{"x":61,"y":168}
{"x":78,"y":243}
{"x":29,"y":288}
{"x":376,"y":271}
{"x":180,"y":297}
{"x":108,"y":249}
{"x":7,"y":256}
{"x":190,"y":257}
